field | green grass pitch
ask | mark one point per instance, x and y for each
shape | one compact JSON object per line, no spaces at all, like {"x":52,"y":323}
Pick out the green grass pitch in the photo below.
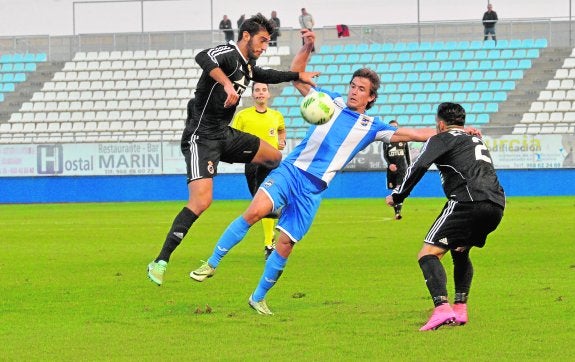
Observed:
{"x":74,"y":286}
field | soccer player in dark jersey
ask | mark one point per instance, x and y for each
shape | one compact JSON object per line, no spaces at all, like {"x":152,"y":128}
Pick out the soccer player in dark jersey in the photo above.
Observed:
{"x":396,"y":154}
{"x":474,"y":209}
{"x":208,"y":138}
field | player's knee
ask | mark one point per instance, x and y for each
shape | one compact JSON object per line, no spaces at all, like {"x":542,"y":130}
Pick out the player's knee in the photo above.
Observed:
{"x":199,"y":205}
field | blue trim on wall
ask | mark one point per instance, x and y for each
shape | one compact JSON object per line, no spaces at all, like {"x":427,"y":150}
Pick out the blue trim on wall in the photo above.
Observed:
{"x":554,"y":182}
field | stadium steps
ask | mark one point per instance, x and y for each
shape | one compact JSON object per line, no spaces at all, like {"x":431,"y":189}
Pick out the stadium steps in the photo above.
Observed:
{"x":23,"y":91}
{"x":527,"y":90}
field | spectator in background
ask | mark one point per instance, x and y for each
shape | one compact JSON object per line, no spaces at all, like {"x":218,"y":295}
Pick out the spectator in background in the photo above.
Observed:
{"x":267,"y":124}
{"x":489,"y":20}
{"x":396,"y":154}
{"x":276,"y":33}
{"x":241,"y":20}
{"x":306,"y":22}
{"x":226,"y":27}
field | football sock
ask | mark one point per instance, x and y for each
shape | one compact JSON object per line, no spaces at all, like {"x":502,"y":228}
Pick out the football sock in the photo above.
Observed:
{"x":397,"y":208}
{"x":268,"y":225}
{"x":182,"y":223}
{"x":272,"y":271}
{"x":462,"y":274}
{"x":233,"y":235}
{"x":435,"y":278}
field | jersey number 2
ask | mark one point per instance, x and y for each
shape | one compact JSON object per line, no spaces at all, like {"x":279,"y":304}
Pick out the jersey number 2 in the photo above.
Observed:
{"x":479,"y":151}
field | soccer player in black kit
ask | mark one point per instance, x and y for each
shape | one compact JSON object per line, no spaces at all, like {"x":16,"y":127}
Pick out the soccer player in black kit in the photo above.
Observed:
{"x":474,"y":209}
{"x":207,"y":138}
{"x":396,"y":154}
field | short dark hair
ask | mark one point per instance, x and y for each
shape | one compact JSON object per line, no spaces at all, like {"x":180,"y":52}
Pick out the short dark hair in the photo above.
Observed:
{"x":373,"y":78}
{"x":453,"y":114}
{"x":255,"y":24}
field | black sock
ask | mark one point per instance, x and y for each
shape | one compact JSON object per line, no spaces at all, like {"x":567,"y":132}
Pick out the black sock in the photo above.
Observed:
{"x":397,"y":208}
{"x":462,"y":275}
{"x":180,"y":227}
{"x":435,"y":278}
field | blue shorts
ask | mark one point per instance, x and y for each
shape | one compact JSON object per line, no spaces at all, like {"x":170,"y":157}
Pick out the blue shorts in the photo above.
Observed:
{"x":298,"y":194}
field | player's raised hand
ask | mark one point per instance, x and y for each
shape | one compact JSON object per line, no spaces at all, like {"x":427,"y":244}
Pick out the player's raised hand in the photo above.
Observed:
{"x":308,"y":37}
{"x":473,"y":131}
{"x":307,"y":77}
{"x":389,"y":200}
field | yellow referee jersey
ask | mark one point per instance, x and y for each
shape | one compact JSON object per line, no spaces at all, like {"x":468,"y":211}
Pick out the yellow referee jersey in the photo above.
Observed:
{"x":263,"y":125}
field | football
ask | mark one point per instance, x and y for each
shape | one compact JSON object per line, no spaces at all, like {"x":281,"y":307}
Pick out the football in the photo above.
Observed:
{"x":317,"y":108}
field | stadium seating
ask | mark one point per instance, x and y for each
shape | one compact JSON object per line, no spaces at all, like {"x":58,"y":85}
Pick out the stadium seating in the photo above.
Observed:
{"x":114,"y":96}
{"x":417,"y":76}
{"x":14,"y":69}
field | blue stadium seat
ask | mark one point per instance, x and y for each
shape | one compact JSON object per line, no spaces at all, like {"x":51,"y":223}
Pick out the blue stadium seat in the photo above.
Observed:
{"x":374,"y":48}
{"x":335,"y":79}
{"x":500,"y":96}
{"x":498,"y":64}
{"x":404,"y":57}
{"x":327,"y":59}
{"x":508,"y":85}
{"x":362,"y":48}
{"x":486,"y":97}
{"x":6,"y":58}
{"x":437,"y":46}
{"x":382,"y":68}
{"x":494,"y":85}
{"x":441,"y":56}
{"x":429,"y":56}
{"x":532,"y":53}
{"x":8,"y":87}
{"x":470,"y":118}
{"x":502,"y":43}
{"x":528,"y":43}
{"x":399,"y":77}
{"x":437,"y":76}
{"x":424,"y":46}
{"x":477,"y":75}
{"x":516,"y":74}
{"x":420,"y":66}
{"x":385,"y":109}
{"x":468,"y":55}
{"x":481,"y":86}
{"x":446,"y":66}
{"x":403,"y":88}
{"x":41,"y":57}
{"x":490,"y":75}
{"x":412,"y":47}
{"x":416,"y":57}
{"x":390,"y":88}
{"x":29,"y":58}
{"x":382,"y":98}
{"x":420,"y":97}
{"x":480,"y":54}
{"x":472,"y":65}
{"x":520,"y":54}
{"x":451,"y":76}
{"x":7,"y":77}
{"x":323,"y":79}
{"x":541,"y":43}
{"x":506,"y":54}
{"x":288,"y":91}
{"x":468,"y":87}
{"x":489,"y":44}
{"x":407,"y":97}
{"x":318,"y":68}
{"x":412,"y":77}
{"x":291,"y":101}
{"x":378,"y":58}
{"x":524,"y":64}
{"x":294,"y":112}
{"x":278,"y":101}
{"x":446,"y":97}
{"x":387,"y":47}
{"x":426,"y":108}
{"x":386,"y":77}
{"x":460,"y":97}
{"x":325,"y":49}
{"x":472,"y":97}
{"x":464,"y":76}
{"x":425,"y":77}
{"x":459,"y":65}
{"x":366,"y":58}
{"x":415,"y":120}
{"x":432,"y":98}
{"x":393,"y":98}
{"x":282,"y":110}
{"x":442,"y":87}
{"x":454,"y":55}
{"x":428,"y":87}
{"x":399,"y":47}
{"x":398,"y":109}
{"x":408,"y":67}
{"x":515,"y":44}
{"x":476,"y":44}
{"x":7,"y":67}
{"x":340,"y":59}
{"x":337,"y":49}
{"x":493,"y":54}
{"x":412,"y":109}
{"x":391,"y":57}
{"x":332,"y":69}
{"x":433,"y":66}
{"x":353,"y":58}
{"x":482,"y":118}
{"x":428,"y":120}
{"x":395,"y":67}
{"x":344,"y":69}
{"x":478,"y":108}
{"x":1,"y":97}
{"x":340,"y":88}
{"x":416,"y":88}
{"x":485,"y":65}
{"x":350,"y":48}
{"x":462,"y":45}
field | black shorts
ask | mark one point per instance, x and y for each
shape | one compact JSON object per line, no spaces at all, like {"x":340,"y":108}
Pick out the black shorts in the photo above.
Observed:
{"x":203,"y":155}
{"x":464,"y":224}
{"x":255,"y":175}
{"x":395,"y":178}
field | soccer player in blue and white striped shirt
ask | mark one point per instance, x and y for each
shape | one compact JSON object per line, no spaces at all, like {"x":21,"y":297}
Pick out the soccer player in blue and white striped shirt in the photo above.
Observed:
{"x":297,"y":185}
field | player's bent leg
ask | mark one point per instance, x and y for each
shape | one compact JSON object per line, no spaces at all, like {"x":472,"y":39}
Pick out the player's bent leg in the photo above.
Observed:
{"x":267,"y":155}
{"x":200,"y":193}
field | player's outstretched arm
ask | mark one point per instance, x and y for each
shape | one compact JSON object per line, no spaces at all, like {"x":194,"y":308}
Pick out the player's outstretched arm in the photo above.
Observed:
{"x":300,"y":60}
{"x":405,"y":134}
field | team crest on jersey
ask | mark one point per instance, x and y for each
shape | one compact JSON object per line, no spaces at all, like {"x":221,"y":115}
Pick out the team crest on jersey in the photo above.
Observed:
{"x":268,"y":183}
{"x":211,"y":167}
{"x":364,"y":121}
{"x":272,"y":132}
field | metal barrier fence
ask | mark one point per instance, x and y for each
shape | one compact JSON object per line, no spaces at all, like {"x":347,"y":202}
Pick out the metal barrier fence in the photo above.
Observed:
{"x":558,"y":32}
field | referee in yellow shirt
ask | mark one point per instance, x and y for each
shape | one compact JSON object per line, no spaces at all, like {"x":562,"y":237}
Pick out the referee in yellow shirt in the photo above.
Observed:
{"x":269,"y":125}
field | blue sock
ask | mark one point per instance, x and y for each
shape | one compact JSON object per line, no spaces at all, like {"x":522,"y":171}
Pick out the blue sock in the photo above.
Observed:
{"x":272,"y":271}
{"x":233,"y":235}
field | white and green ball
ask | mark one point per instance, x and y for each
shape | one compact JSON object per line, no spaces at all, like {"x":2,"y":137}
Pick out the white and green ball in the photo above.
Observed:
{"x":317,"y":108}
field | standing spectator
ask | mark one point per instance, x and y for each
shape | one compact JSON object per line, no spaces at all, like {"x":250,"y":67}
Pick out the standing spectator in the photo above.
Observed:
{"x":276,"y":33}
{"x":474,"y":208}
{"x":306,"y":22}
{"x":226,"y":27}
{"x":241,"y":20}
{"x":489,"y":20}
{"x":396,"y":154}
{"x":268,"y":124}
{"x":207,"y":139}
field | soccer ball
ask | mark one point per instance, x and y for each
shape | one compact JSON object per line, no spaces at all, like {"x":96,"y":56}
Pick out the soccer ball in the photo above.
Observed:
{"x":317,"y":108}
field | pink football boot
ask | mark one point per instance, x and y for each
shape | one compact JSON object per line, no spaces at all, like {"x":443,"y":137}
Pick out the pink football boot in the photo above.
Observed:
{"x":442,"y":315}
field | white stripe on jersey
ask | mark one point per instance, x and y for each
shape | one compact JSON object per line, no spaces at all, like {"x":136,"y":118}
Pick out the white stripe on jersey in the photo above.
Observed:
{"x":219,"y":50}
{"x":440,"y":221}
{"x":194,"y":158}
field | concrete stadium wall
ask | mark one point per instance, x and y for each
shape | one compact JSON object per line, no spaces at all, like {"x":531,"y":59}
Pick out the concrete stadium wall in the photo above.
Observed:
{"x":553,"y":182}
